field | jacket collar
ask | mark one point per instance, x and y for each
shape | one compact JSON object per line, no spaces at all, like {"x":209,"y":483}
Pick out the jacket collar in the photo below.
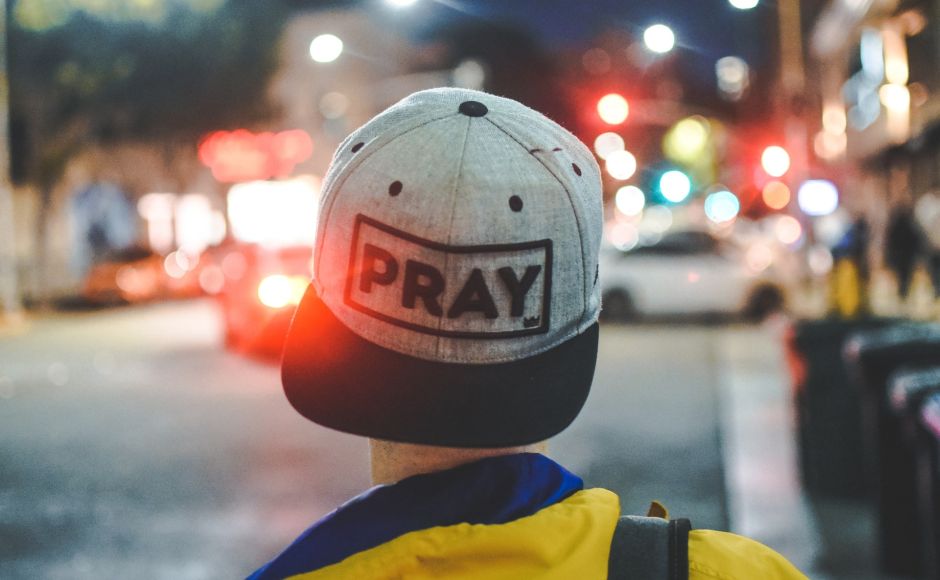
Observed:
{"x":490,"y":491}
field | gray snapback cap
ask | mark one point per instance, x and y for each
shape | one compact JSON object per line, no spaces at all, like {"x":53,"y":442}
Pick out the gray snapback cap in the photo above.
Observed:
{"x":455,"y":297}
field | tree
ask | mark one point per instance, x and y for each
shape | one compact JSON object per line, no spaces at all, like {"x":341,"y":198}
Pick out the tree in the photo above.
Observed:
{"x":91,"y":80}
{"x":103,"y":72}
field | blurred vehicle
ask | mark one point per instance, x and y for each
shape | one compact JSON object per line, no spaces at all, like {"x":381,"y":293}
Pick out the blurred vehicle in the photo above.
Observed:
{"x":689,"y":272}
{"x":260,"y":273}
{"x":138,"y":274}
{"x":126,"y":276}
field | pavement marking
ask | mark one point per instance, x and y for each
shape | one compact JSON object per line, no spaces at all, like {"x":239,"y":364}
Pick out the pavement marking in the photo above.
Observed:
{"x":765,"y":497}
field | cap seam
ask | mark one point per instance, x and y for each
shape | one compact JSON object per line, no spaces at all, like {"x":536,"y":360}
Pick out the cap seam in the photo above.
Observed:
{"x":453,"y":211}
{"x":346,"y":172}
{"x":585,"y":291}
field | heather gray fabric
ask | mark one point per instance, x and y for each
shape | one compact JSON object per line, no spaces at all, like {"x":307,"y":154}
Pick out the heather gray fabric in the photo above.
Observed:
{"x":455,"y":296}
{"x":464,"y":238}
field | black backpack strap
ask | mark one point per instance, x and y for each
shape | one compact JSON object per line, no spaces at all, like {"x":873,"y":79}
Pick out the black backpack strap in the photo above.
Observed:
{"x":679,"y":549}
{"x":649,"y":548}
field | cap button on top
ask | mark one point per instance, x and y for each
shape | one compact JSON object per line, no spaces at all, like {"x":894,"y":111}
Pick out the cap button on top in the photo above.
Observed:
{"x":473,"y":109}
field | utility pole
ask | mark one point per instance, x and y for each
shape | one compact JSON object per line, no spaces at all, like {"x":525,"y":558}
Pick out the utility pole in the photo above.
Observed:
{"x":9,"y":287}
{"x":793,"y":85}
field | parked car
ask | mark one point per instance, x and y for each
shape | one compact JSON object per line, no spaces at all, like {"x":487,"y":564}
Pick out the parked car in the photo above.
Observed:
{"x":260,"y":289}
{"x":125,"y":276}
{"x":688,"y":272}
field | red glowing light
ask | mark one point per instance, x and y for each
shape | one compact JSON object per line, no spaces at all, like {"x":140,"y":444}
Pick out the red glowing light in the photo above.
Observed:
{"x":241,"y":155}
{"x":613,"y":109}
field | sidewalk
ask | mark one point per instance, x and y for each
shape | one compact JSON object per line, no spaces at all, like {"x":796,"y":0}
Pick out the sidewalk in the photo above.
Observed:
{"x":13,"y":325}
{"x":765,"y":499}
{"x":827,"y":539}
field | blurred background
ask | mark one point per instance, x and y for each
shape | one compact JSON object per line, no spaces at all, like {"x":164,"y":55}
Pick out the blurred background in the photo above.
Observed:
{"x":770,"y":269}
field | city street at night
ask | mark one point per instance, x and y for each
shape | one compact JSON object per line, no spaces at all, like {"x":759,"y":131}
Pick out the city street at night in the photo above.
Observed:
{"x":135,"y":446}
{"x":463,"y":289}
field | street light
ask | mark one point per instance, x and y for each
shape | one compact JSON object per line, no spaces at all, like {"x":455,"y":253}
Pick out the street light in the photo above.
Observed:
{"x":744,"y":4}
{"x":659,"y":38}
{"x":401,"y":3}
{"x":326,"y":48}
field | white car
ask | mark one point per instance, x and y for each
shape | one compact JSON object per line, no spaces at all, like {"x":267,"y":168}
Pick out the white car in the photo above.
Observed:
{"x":686,"y":272}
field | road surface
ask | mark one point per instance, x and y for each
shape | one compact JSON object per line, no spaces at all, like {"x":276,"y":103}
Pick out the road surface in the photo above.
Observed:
{"x":134,"y":446}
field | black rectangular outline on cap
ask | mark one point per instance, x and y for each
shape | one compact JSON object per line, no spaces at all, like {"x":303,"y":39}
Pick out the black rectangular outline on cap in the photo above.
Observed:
{"x":545,"y":244}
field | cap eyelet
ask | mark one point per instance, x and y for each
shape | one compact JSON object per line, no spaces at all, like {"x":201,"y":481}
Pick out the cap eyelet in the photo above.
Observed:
{"x":357,"y":146}
{"x":515,"y":203}
{"x":395,"y":188}
{"x":577,"y":169}
{"x":473,"y":109}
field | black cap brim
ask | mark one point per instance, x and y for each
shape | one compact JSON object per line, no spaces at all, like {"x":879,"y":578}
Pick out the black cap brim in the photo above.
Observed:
{"x":337,"y":379}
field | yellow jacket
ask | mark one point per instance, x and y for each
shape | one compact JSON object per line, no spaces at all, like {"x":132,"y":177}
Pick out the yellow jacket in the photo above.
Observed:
{"x":567,"y":540}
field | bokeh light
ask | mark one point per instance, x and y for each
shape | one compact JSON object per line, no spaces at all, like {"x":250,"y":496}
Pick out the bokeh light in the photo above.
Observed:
{"x":657,"y":218}
{"x":613,"y":109}
{"x":722,"y":206}
{"x":895,"y":97}
{"x":630,"y":200}
{"x":687,"y":140}
{"x":326,"y":48}
{"x":675,"y":186}
{"x":758,"y":257}
{"x":788,"y":230}
{"x":820,"y":260}
{"x":334,"y":105}
{"x":830,"y":145}
{"x":470,"y":74}
{"x":607,"y":143}
{"x":818,"y":197}
{"x":830,"y":229}
{"x":776,"y":195}
{"x":212,"y":279}
{"x":401,"y":3}
{"x":277,"y":291}
{"x":733,"y":75}
{"x":659,"y":38}
{"x":621,"y":165}
{"x":744,"y":4}
{"x":596,"y":61}
{"x":775,"y":160}
{"x":624,"y":236}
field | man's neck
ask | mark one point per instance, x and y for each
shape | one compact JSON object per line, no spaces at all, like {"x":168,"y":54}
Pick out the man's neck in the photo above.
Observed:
{"x":392,"y":462}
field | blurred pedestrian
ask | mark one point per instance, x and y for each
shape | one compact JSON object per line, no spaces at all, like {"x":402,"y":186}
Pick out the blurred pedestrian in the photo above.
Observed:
{"x":851,"y":273}
{"x":903,"y":247}
{"x":927,"y":212}
{"x":453,"y":320}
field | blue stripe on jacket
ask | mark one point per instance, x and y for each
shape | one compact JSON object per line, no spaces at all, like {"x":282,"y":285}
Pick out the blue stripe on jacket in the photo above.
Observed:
{"x":490,"y":491}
